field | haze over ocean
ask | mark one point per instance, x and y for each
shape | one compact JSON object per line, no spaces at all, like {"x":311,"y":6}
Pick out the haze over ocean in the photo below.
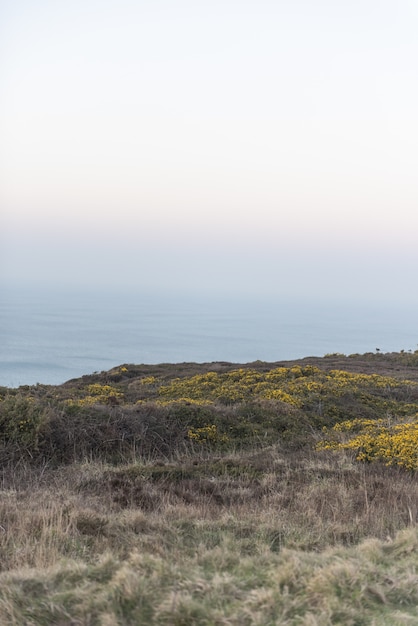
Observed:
{"x":184,"y":180}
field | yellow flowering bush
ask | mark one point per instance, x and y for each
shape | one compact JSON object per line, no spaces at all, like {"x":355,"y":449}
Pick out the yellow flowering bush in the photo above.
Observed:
{"x":237,"y":386}
{"x":21,"y":419}
{"x":304,"y":387}
{"x":148,"y":380}
{"x":95,"y":394}
{"x":376,"y":440}
{"x":207,"y":434}
{"x":279,"y":394}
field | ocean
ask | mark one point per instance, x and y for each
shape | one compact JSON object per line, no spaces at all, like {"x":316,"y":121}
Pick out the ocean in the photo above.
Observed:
{"x":50,"y":336}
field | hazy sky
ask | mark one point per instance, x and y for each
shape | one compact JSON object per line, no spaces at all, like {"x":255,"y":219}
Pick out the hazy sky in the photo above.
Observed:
{"x":223,"y":145}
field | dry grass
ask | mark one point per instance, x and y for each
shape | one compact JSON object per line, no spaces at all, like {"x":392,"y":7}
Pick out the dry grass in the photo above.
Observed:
{"x":252,"y":538}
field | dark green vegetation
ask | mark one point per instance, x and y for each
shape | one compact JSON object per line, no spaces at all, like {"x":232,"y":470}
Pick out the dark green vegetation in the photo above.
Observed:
{"x":194,"y":494}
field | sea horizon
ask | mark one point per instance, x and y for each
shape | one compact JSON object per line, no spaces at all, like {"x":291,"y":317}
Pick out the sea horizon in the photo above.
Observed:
{"x":50,"y":335}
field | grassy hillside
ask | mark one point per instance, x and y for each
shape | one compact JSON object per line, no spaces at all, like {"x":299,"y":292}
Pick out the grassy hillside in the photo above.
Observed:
{"x":262,"y":493}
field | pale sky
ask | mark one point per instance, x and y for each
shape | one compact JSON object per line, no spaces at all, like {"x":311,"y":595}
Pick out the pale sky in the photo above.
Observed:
{"x":223,"y":145}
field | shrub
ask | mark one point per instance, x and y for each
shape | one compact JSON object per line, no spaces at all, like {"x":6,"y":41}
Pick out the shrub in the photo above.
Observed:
{"x":376,"y":440}
{"x":21,"y":419}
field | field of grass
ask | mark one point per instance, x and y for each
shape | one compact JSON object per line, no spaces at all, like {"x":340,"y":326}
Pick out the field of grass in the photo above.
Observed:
{"x":215,"y":494}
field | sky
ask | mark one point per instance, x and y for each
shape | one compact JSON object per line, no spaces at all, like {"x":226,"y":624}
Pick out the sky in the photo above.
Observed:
{"x":229,"y":147}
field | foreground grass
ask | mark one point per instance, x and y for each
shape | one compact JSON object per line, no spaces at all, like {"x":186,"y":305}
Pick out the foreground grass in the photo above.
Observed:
{"x":373,"y":583}
{"x":260,"y":537}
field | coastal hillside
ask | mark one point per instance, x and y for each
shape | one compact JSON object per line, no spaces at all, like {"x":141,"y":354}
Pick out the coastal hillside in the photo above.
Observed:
{"x":157,"y":411}
{"x":217,"y":493}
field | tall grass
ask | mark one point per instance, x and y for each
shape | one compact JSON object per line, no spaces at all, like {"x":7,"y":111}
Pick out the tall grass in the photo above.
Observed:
{"x":259,"y":537}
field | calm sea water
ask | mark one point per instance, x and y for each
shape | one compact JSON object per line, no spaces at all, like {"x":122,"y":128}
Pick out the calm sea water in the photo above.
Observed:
{"x":50,"y":337}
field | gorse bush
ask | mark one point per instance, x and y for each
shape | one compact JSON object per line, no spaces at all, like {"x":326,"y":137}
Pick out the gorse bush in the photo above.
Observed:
{"x":329,"y":394}
{"x":21,"y":420}
{"x":97,"y":393}
{"x":236,"y":386}
{"x":207,"y":434}
{"x":376,"y":440}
